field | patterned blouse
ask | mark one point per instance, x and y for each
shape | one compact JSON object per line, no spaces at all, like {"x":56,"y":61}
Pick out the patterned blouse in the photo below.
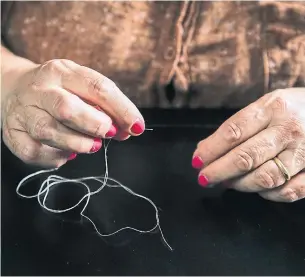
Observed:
{"x":169,"y":54}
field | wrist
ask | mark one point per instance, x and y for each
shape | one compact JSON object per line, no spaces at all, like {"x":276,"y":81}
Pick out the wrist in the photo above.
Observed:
{"x":13,"y":76}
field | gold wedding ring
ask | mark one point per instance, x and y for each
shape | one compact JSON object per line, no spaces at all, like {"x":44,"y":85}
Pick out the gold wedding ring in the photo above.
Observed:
{"x":282,"y":168}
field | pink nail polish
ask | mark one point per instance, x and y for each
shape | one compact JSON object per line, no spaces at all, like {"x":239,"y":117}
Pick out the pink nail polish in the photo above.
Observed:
{"x":97,"y":144}
{"x":72,"y":156}
{"x":138,"y":127}
{"x":203,"y":180}
{"x":112,"y":131}
{"x":197,"y":162}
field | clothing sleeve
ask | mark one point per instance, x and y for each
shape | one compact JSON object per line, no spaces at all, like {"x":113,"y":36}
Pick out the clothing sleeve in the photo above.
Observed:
{"x":6,"y":7}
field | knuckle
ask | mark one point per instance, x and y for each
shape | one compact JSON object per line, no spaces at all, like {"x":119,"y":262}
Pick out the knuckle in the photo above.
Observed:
{"x":54,"y":65}
{"x":295,"y":128}
{"x":231,"y":131}
{"x":281,"y":135}
{"x":108,"y":84}
{"x":29,"y":153}
{"x":279,"y":103}
{"x":299,"y":157}
{"x":200,"y":144}
{"x":244,"y":161}
{"x":15,"y":145}
{"x":59,"y":67}
{"x":289,"y":195}
{"x":41,"y":128}
{"x":290,"y":131}
{"x":266,"y":180}
{"x":301,"y":191}
{"x":8,"y":141}
{"x":99,"y":130}
{"x":111,"y":86}
{"x":96,"y":87}
{"x":99,"y":85}
{"x":6,"y":133}
{"x":62,"y":106}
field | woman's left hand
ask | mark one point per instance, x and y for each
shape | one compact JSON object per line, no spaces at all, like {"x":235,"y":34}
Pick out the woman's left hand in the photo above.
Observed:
{"x":241,"y":152}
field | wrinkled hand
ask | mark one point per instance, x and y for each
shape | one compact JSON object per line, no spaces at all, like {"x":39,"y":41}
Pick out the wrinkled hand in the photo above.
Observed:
{"x":61,"y":108}
{"x":240,"y":153}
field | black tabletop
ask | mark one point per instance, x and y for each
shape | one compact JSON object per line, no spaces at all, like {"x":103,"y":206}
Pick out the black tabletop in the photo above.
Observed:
{"x":212,"y":231}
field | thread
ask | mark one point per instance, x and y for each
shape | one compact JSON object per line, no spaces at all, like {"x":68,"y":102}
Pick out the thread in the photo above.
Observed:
{"x":53,"y":180}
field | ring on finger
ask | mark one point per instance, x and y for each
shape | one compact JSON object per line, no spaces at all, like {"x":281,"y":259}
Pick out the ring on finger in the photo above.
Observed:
{"x":282,"y":168}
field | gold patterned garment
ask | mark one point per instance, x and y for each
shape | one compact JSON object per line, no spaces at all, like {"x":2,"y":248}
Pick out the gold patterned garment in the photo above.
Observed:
{"x":208,"y":54}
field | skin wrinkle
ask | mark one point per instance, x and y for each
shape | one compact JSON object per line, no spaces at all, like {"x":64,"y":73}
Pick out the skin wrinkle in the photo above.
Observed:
{"x":301,"y":191}
{"x":244,"y":161}
{"x":232,"y":133}
{"x":267,"y":180}
{"x":291,"y":193}
{"x":299,"y":161}
{"x":257,"y":154}
{"x":94,"y":85}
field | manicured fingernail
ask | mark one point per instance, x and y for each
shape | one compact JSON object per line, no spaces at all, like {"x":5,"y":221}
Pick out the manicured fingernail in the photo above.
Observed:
{"x":72,"y":156}
{"x":97,"y":144}
{"x":112,"y":132}
{"x":138,"y":127}
{"x":197,"y":162}
{"x":203,"y":180}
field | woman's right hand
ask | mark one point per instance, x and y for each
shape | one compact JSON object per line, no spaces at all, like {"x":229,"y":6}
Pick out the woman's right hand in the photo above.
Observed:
{"x":47,"y":117}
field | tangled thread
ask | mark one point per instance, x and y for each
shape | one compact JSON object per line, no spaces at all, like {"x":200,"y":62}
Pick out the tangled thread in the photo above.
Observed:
{"x":53,"y":180}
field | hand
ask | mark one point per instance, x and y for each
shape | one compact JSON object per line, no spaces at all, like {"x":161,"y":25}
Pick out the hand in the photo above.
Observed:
{"x":47,"y":117}
{"x":240,"y":153}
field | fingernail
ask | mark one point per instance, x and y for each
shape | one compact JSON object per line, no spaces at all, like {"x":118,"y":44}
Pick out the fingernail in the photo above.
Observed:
{"x":72,"y":156}
{"x":138,"y":127}
{"x":197,"y":162}
{"x":97,"y":144}
{"x":203,"y":180}
{"x":112,"y":132}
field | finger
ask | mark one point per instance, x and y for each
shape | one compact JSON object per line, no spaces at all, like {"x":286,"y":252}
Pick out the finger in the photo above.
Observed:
{"x":292,"y":191}
{"x":245,"y":157}
{"x":93,"y":86}
{"x":122,"y":135}
{"x":33,"y":152}
{"x":269,"y":176}
{"x":74,"y":113}
{"x":114,"y":130}
{"x":43,"y":127}
{"x":237,"y":129}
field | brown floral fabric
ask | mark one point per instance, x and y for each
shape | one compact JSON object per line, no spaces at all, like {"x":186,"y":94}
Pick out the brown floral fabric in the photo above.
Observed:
{"x":211,"y":53}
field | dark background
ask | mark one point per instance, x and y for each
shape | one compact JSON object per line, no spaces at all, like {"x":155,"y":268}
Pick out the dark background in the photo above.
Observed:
{"x":212,"y":231}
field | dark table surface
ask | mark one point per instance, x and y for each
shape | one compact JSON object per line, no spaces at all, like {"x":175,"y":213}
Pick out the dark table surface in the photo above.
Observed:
{"x":212,"y":231}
